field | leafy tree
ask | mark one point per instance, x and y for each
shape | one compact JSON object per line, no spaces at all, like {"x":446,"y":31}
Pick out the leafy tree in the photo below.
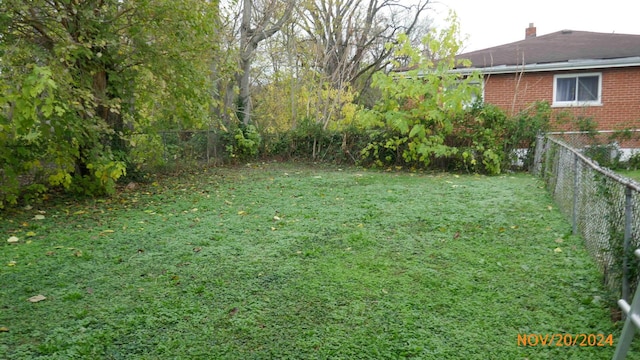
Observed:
{"x":78,"y":76}
{"x":417,"y":108}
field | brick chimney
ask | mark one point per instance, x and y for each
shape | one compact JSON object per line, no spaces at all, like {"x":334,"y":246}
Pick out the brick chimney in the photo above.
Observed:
{"x":530,"y":32}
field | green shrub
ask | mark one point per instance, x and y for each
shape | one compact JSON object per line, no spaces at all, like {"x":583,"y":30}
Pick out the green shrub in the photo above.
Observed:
{"x":479,"y":136}
{"x":606,"y":155}
{"x":633,"y":163}
{"x":243,"y":142}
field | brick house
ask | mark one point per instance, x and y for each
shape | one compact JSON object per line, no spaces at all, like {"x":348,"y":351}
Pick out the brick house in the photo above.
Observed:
{"x":596,"y":75}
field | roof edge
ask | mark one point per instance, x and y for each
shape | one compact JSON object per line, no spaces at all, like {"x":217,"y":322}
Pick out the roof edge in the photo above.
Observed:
{"x":557,"y":66}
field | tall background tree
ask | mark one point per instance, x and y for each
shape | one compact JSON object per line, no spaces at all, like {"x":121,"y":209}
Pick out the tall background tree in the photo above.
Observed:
{"x":323,"y":58}
{"x":260,"y":21}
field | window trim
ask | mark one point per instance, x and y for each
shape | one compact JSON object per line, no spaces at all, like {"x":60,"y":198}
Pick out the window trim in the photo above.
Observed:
{"x":576,"y":103}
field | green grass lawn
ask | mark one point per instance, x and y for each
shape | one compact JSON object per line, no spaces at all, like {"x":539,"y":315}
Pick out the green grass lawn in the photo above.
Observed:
{"x":283,"y":261}
{"x":633,"y":174}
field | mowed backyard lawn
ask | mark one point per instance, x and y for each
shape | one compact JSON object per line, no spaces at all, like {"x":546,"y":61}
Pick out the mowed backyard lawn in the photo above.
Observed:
{"x":277,"y":261}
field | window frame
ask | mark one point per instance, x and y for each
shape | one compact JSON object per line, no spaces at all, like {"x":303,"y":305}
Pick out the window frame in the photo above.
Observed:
{"x":576,"y":102}
{"x":480,"y":96}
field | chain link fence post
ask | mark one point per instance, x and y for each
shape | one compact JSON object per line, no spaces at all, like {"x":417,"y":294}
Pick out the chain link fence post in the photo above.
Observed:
{"x":628,"y":223}
{"x":576,"y":187}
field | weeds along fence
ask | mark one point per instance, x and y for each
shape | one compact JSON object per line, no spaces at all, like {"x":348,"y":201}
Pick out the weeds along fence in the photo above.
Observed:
{"x":188,"y":147}
{"x":604,"y":207}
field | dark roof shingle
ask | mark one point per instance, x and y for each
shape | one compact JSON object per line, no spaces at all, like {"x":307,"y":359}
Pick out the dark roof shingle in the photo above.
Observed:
{"x":561,"y":46}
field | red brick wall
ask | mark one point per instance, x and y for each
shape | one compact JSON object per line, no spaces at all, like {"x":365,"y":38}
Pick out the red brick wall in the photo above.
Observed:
{"x":620,"y":96}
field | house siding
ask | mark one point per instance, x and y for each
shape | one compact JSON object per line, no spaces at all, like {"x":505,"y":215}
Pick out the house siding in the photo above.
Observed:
{"x":620,"y":97}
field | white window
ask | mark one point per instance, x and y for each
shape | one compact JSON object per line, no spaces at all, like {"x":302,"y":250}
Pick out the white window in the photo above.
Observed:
{"x":577,"y":89}
{"x":476,"y":93}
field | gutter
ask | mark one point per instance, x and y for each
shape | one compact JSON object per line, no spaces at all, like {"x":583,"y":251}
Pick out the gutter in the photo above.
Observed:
{"x":557,"y":66}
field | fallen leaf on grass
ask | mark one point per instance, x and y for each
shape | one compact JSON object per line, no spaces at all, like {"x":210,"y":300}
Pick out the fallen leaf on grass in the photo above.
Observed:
{"x":108,"y":231}
{"x":557,"y":250}
{"x":276,"y":218}
{"x":37,"y":298}
{"x":559,"y":240}
{"x":79,"y":212}
{"x":4,"y":329}
{"x":38,"y":217}
{"x":242,"y":212}
{"x":77,"y":253}
{"x":197,"y":249}
{"x":11,"y":263}
{"x":13,"y":239}
{"x":31,"y":233}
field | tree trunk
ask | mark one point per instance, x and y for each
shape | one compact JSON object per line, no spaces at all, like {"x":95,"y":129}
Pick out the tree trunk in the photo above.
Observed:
{"x":249,"y":40}
{"x":103,"y":111}
{"x":244,"y":99}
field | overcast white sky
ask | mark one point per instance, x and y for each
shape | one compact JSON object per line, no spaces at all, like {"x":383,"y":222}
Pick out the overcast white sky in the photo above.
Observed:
{"x":495,"y":22}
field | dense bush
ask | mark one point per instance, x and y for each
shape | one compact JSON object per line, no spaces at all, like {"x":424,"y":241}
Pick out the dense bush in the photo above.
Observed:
{"x":310,"y":141}
{"x":242,"y":142}
{"x":483,"y":139}
{"x":633,"y":163}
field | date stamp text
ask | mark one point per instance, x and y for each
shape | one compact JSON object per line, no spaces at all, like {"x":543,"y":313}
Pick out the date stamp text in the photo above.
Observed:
{"x":532,"y":340}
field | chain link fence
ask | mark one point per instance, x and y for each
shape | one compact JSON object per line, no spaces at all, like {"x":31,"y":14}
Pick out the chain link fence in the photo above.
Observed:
{"x":178,"y":148}
{"x":604,"y":207}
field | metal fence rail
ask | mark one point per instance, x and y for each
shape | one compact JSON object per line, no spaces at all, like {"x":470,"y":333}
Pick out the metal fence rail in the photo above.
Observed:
{"x":601,"y":204}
